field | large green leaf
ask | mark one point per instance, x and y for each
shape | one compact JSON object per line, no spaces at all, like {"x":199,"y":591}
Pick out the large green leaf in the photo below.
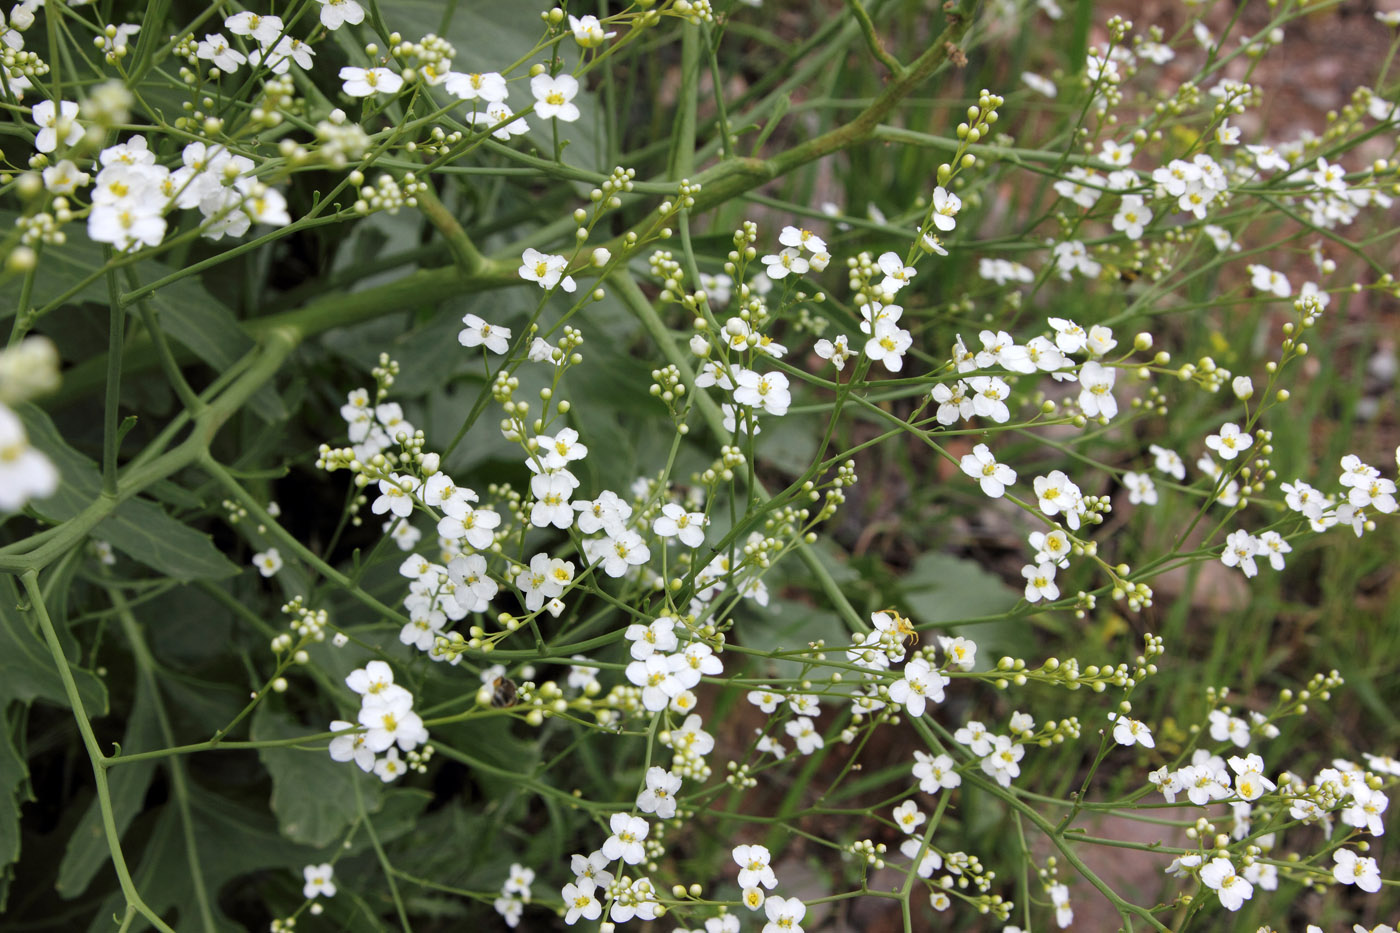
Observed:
{"x":312,"y":795}
{"x":231,"y":840}
{"x":14,"y":778}
{"x":187,"y":311}
{"x":944,"y":590}
{"x":87,"y":848}
{"x":27,"y":670}
{"x":141,"y":530}
{"x":489,"y":36}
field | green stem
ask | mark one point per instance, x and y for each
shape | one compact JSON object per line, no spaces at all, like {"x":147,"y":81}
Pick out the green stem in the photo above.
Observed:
{"x":30,"y":579}
{"x":115,"y":335}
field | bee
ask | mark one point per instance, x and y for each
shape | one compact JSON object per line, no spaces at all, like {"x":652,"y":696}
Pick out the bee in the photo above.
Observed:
{"x":503,"y":693}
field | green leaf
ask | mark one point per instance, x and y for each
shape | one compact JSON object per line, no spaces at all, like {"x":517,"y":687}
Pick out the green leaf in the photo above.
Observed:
{"x":141,"y":530}
{"x":944,"y":590}
{"x":232,"y":841}
{"x":187,"y":311}
{"x":313,"y":796}
{"x":14,"y":783}
{"x":87,"y":850}
{"x":486,"y":33}
{"x":27,"y":670}
{"x":789,"y":626}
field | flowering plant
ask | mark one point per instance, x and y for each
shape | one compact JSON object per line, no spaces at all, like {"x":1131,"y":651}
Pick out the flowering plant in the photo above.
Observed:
{"x":458,"y":470}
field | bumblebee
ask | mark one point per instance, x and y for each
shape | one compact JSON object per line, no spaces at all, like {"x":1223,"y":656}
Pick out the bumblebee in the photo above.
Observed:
{"x":504,"y":693}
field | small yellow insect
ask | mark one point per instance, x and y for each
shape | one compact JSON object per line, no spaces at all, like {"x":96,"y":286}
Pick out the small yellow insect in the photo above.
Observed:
{"x":904,"y":627}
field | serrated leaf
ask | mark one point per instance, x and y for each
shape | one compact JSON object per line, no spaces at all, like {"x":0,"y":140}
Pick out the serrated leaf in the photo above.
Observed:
{"x":14,"y":777}
{"x":141,"y":530}
{"x":313,"y":796}
{"x":27,"y":670}
{"x":87,"y":850}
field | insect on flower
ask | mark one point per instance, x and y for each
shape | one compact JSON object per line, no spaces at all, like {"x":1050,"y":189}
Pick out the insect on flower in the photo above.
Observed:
{"x":903,"y":627}
{"x":503,"y":693}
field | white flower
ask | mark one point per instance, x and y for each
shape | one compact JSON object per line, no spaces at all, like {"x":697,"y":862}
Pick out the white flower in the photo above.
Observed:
{"x":754,"y":868}
{"x":838,"y":351}
{"x":1361,"y":871}
{"x":935,"y":773}
{"x":363,"y":82}
{"x":126,"y":227}
{"x":268,"y":562}
{"x":605,"y":513}
{"x":318,"y":881}
{"x":1071,"y":256}
{"x":626,"y":840}
{"x":982,"y":466}
{"x":1250,"y":783}
{"x":351,"y":745}
{"x":945,"y":208}
{"x":1241,"y":547}
{"x":804,"y":239}
{"x":1132,"y":216}
{"x":1168,"y":461}
{"x":805,"y":733}
{"x":1039,"y":84}
{"x":1003,"y":763}
{"x":1069,"y":336}
{"x":552,"y":492}
{"x":545,"y":269}
{"x":659,"y":797}
{"x":656,"y":675}
{"x":588,"y":32}
{"x":1052,"y":547}
{"x":265,"y":29}
{"x":490,"y":87}
{"x":554,"y":96}
{"x":215,"y":49}
{"x":658,"y":636}
{"x":1128,"y":731}
{"x":908,"y":817}
{"x":1219,"y":875}
{"x":579,"y":899}
{"x":1040,"y":582}
{"x":58,"y":125}
{"x":987,"y":399}
{"x":1265,"y":279}
{"x":959,"y":652}
{"x":919,"y":684}
{"x":561,"y":449}
{"x":888,"y":343}
{"x":897,"y":274}
{"x":392,"y":723}
{"x":784,"y":914}
{"x":1229,"y":443}
{"x":778,"y":265}
{"x":26,"y":473}
{"x":336,"y":13}
{"x":675,"y":522}
{"x":1059,"y":495}
{"x":395,"y":495}
{"x":768,"y":391}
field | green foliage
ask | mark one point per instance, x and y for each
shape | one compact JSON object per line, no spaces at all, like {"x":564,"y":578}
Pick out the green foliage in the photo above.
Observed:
{"x":196,"y":590}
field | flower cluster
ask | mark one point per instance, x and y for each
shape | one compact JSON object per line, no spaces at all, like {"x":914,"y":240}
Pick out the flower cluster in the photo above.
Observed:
{"x":385,"y":726}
